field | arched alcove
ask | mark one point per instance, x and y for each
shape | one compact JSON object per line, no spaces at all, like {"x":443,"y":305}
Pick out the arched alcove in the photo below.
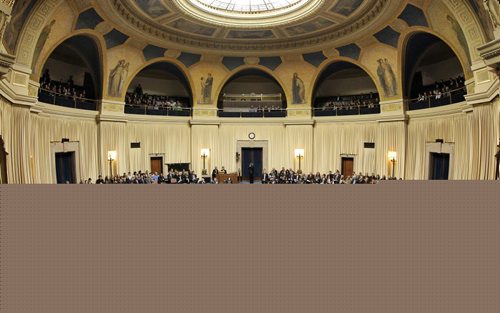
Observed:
{"x":72,"y":75}
{"x":252,"y":93}
{"x":432,"y":73}
{"x":160,"y":88}
{"x":343,"y":88}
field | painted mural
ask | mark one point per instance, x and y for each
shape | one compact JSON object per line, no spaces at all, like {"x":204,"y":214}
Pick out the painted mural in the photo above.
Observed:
{"x":346,"y":7}
{"x":42,"y":40}
{"x":250,"y":34}
{"x":298,"y":90}
{"x":117,"y":78}
{"x":309,"y":27}
{"x":206,"y":88}
{"x":20,"y":13}
{"x":153,"y":8}
{"x":460,"y":35}
{"x":190,"y":27}
{"x":387,"y":78}
{"x":483,"y":17}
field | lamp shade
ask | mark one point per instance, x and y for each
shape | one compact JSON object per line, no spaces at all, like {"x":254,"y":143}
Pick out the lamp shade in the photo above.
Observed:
{"x":393,"y":155}
{"x":112,"y":155}
{"x":205,"y":152}
{"x":299,"y":153}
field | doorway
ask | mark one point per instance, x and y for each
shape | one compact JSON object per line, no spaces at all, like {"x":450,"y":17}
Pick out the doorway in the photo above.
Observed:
{"x":65,"y":167}
{"x":3,"y":163}
{"x":157,"y":165}
{"x":252,"y":155}
{"x":440,"y":166}
{"x":347,"y":166}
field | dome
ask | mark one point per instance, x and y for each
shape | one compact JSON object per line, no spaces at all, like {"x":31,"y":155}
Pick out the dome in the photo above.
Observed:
{"x":249,"y":6}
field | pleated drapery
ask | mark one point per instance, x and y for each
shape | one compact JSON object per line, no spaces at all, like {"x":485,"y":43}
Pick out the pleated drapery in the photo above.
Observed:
{"x":28,"y":136}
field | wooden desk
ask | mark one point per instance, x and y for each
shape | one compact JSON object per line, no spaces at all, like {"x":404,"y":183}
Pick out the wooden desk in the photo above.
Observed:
{"x":222,"y":177}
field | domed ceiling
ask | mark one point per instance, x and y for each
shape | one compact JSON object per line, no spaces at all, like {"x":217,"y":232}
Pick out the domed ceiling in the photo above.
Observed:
{"x":252,"y":25}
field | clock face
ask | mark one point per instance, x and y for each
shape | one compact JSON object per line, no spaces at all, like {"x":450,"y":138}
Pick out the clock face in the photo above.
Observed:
{"x":251,"y":135}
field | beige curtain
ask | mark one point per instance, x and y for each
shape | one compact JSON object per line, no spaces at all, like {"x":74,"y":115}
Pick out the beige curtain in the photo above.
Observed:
{"x":333,"y":140}
{"x":28,"y":137}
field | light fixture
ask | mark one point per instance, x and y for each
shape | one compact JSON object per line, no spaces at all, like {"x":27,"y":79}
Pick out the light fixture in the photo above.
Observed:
{"x":299,"y":153}
{"x":393,"y":155}
{"x":204,"y":155}
{"x":111,"y":157}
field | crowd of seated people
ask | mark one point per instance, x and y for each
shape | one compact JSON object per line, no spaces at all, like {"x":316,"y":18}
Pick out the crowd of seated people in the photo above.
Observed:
{"x":154,"y":102}
{"x":139,"y":177}
{"x":67,"y":89}
{"x":288,"y":176}
{"x":285,"y":176}
{"x":370,"y":100}
{"x":442,"y":89}
{"x":264,"y":108}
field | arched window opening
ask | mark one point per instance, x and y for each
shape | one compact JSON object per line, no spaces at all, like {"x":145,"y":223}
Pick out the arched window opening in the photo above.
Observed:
{"x":344,"y":88}
{"x":159,"y":89}
{"x":433,"y":74}
{"x":252,"y":93}
{"x":71,"y":76}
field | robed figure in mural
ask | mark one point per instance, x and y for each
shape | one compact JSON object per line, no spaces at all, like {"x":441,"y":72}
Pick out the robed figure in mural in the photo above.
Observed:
{"x":298,"y":90}
{"x":117,"y":78}
{"x":387,"y":77}
{"x":206,"y":88}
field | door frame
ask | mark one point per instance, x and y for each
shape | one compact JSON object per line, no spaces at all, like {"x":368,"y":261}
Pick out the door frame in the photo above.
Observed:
{"x":4,"y":179}
{"x":63,"y":147}
{"x":257,"y":176}
{"x":158,"y":155}
{"x":264,"y":144}
{"x":438,"y":147}
{"x":346,"y":155}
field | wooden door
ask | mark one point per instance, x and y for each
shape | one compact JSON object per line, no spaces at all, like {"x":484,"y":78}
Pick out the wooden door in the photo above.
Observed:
{"x":157,"y":165}
{"x":347,"y":167}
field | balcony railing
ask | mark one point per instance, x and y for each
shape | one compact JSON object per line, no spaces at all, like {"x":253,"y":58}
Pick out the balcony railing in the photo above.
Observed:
{"x":51,"y":97}
{"x":347,"y":110}
{"x":253,"y":114}
{"x":157,"y":110}
{"x":446,"y":98}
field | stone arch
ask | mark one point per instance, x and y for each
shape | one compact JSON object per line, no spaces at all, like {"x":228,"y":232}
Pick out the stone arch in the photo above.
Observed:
{"x":403,"y":45}
{"x":32,"y":29}
{"x":471,"y":26}
{"x":326,"y":65}
{"x":256,"y":67}
{"x":179,"y":65}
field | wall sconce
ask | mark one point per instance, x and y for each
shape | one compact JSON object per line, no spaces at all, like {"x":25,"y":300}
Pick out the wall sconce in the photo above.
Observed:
{"x":392,"y":155}
{"x":237,"y":156}
{"x":204,"y":155}
{"x":299,"y":153}
{"x":111,"y":157}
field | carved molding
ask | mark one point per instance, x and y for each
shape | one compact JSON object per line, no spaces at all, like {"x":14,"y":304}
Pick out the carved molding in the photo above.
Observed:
{"x":34,"y":26}
{"x":143,"y":25}
{"x":470,"y":25}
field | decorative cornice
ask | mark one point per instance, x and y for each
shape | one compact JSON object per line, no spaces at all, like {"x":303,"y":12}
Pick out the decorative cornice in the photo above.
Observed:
{"x":142,"y":25}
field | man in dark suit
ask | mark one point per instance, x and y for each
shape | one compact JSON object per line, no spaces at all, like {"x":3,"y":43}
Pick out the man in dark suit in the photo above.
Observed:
{"x":265,"y":177}
{"x":251,"y":173}
{"x":215,"y":172}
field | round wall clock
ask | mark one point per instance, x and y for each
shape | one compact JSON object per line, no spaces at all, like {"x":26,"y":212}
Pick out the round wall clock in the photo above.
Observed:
{"x":251,"y":135}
